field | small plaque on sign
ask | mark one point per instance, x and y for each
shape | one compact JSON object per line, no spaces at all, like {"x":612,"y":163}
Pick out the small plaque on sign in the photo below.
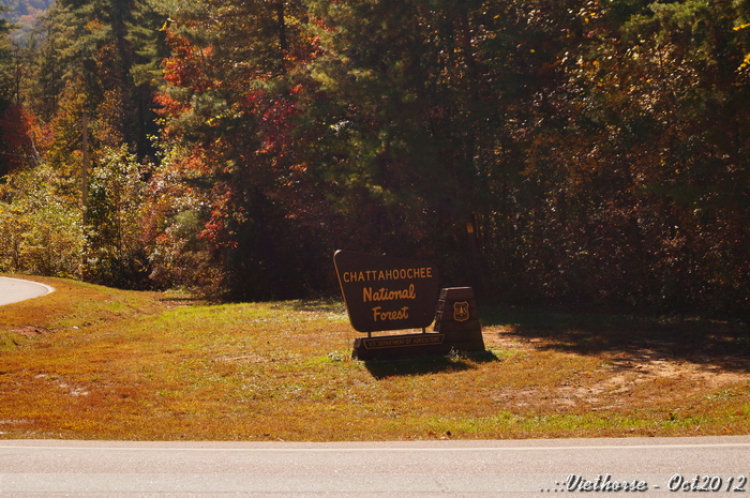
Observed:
{"x":461,"y":311}
{"x":384,"y":293}
{"x":402,"y":341}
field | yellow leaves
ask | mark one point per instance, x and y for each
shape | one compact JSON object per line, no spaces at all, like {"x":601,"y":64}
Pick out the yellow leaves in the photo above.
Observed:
{"x":94,"y":25}
{"x":746,"y":62}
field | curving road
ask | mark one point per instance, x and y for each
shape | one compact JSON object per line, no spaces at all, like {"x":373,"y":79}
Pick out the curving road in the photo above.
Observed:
{"x":715,"y":466}
{"x":14,"y":290}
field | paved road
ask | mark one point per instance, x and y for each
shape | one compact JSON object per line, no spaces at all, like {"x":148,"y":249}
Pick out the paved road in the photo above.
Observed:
{"x":13,"y":290}
{"x":421,"y":469}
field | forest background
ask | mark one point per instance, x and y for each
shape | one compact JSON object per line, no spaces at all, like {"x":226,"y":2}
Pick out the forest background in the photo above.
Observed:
{"x":590,"y":153}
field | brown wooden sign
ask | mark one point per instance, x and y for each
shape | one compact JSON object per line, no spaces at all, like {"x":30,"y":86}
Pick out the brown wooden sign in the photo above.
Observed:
{"x":385,"y":293}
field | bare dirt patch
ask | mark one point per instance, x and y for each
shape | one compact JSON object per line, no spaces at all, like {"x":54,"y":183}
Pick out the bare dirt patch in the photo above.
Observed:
{"x":31,"y":332}
{"x":628,"y":374}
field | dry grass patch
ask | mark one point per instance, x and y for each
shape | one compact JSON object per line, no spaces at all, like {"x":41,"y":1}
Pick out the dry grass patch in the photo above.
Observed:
{"x":95,"y":363}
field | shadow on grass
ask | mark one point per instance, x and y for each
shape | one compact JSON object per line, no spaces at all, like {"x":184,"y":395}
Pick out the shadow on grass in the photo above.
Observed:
{"x":186,"y":300}
{"x":182,"y":296}
{"x":314,"y":305}
{"x":423,"y":365}
{"x":712,"y":343}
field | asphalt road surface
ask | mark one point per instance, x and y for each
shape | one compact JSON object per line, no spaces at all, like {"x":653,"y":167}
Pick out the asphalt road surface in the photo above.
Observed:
{"x":13,"y":290}
{"x":715,"y":466}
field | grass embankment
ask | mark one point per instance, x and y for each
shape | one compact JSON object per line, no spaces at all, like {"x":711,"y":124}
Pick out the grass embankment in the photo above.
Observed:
{"x":90,"y":362}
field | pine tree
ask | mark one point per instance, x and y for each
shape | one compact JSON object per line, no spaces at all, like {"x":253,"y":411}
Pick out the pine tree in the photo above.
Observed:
{"x":228,"y":105}
{"x":8,"y":153}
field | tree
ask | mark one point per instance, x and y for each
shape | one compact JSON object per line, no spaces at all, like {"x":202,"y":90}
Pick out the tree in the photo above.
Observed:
{"x":646,"y":194}
{"x":429,"y":110}
{"x":40,"y":229}
{"x":228,"y":101}
{"x":115,"y":254}
{"x":7,"y":154}
{"x":96,"y":59}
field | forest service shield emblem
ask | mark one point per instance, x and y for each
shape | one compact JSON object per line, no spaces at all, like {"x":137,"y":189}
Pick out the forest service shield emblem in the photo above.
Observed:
{"x":461,"y":311}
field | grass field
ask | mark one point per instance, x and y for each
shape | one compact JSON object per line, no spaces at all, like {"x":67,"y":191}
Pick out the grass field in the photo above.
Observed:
{"x":88,"y":362}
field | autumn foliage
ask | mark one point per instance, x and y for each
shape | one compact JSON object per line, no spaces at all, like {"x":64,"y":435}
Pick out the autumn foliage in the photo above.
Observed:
{"x":590,"y":153}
